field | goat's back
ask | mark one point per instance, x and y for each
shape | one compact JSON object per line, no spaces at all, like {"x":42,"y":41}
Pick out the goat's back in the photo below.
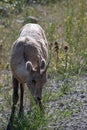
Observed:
{"x":30,"y":46}
{"x":33,"y":30}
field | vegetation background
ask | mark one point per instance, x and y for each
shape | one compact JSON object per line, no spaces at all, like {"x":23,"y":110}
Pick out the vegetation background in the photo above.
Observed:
{"x":65,"y":25}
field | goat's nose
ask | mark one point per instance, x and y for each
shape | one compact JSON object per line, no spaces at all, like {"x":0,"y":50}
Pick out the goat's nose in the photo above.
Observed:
{"x":38,"y":98}
{"x":39,"y":103}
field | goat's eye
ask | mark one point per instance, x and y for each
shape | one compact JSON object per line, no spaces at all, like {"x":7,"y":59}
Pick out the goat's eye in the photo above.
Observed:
{"x":34,"y":81}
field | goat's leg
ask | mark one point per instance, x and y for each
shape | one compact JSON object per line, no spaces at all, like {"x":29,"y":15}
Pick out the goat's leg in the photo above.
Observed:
{"x":21,"y":98}
{"x":39,"y":103}
{"x":15,"y":99}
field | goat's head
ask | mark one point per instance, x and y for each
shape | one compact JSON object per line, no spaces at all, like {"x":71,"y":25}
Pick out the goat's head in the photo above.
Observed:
{"x":37,"y":79}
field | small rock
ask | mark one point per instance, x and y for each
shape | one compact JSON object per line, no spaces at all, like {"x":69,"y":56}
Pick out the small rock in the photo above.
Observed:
{"x":20,"y":21}
{"x":85,"y":101}
{"x":3,"y":11}
{"x":61,"y":104}
{"x":32,"y":19}
{"x":82,"y":96}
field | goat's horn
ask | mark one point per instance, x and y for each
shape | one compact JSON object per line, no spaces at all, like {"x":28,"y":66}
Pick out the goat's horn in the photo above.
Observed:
{"x":43,"y":64}
{"x":47,"y":65}
{"x":29,"y":66}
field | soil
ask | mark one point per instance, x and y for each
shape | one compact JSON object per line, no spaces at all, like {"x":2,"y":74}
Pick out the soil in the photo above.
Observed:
{"x":75,"y":105}
{"x":67,"y":111}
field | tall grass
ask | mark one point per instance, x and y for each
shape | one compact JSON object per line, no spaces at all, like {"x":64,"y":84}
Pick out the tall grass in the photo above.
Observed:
{"x":75,"y":39}
{"x":33,"y":120}
{"x":75,"y":23}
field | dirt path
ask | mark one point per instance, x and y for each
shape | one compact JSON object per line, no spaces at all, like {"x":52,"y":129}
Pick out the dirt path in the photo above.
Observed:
{"x":70,"y":110}
{"x":65,"y":111}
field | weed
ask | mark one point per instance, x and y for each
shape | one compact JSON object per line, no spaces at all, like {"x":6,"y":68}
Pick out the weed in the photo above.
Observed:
{"x":33,"y":120}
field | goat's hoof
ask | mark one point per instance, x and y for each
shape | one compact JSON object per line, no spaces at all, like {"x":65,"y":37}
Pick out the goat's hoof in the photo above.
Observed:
{"x":21,"y":114}
{"x":8,"y":127}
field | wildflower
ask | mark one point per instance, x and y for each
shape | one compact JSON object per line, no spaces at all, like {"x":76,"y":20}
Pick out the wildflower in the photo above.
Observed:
{"x":56,"y":46}
{"x":56,"y":49}
{"x":66,"y":48}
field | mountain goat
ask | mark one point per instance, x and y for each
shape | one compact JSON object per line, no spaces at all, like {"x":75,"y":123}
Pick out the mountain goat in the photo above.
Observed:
{"x":29,"y":65}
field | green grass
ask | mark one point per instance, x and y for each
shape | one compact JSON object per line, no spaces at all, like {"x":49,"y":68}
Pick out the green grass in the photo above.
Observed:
{"x":33,"y":120}
{"x":64,"y":22}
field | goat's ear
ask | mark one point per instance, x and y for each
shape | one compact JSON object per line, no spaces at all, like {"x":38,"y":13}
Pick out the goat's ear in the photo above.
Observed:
{"x":43,"y":64}
{"x":29,"y":66}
